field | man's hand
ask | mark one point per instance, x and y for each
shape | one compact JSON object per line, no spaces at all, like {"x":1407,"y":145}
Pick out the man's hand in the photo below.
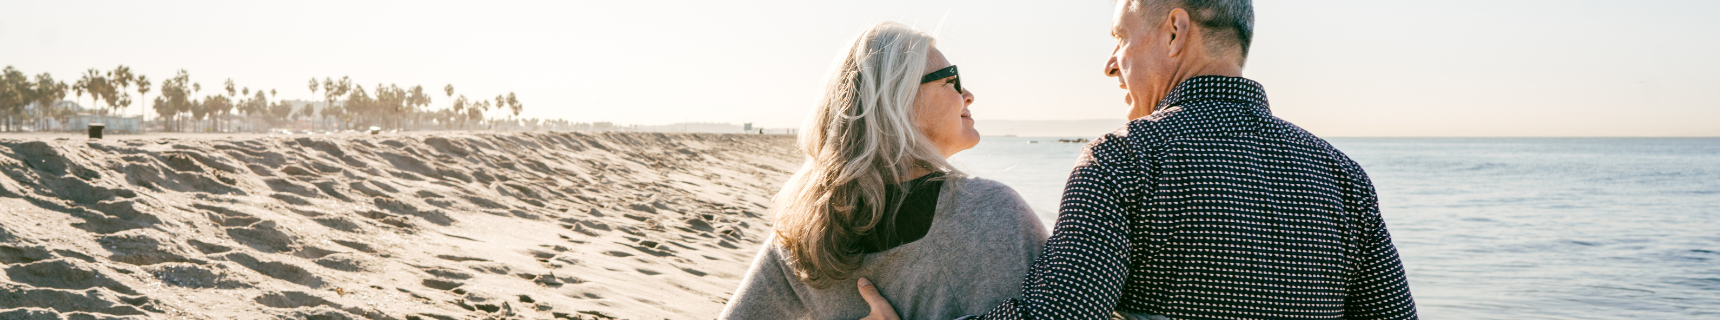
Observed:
{"x":881,"y":309}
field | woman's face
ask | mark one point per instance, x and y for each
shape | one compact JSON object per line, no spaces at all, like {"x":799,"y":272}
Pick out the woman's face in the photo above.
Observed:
{"x":941,"y":112}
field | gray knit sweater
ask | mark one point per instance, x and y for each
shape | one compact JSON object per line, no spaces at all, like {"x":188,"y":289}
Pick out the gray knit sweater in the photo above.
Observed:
{"x":982,"y":240}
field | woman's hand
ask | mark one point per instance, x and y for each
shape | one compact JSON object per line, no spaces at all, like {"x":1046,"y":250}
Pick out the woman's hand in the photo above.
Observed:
{"x":881,"y":309}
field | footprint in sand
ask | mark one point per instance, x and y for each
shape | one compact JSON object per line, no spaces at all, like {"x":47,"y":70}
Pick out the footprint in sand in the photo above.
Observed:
{"x":278,"y":270}
{"x":292,"y":299}
{"x":440,"y":284}
{"x":66,"y":274}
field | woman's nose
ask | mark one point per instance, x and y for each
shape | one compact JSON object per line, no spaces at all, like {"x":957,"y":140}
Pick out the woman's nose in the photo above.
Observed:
{"x":967,"y":96}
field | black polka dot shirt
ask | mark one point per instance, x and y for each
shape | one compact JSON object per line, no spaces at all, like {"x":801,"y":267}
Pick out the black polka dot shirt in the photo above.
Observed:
{"x":1211,"y":208}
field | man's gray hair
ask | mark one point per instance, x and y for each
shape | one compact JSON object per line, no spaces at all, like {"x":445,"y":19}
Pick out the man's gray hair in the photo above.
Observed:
{"x":1226,"y":22}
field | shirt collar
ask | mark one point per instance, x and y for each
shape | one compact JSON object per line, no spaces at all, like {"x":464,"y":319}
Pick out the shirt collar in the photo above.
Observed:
{"x":1200,"y":88}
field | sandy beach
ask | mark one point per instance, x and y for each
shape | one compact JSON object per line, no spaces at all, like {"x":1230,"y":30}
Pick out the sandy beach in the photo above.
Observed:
{"x":394,"y":226}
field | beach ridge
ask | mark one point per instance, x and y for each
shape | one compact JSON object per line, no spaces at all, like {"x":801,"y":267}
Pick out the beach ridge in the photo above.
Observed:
{"x":397,"y":226}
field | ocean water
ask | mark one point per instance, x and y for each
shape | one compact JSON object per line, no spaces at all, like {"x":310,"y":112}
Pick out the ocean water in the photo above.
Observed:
{"x":1506,"y":228}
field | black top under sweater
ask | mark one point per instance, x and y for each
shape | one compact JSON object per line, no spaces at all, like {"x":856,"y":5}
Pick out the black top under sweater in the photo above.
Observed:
{"x":913,"y":218}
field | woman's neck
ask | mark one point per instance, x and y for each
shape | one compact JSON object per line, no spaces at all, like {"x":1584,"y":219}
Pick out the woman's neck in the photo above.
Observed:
{"x":915,"y":172}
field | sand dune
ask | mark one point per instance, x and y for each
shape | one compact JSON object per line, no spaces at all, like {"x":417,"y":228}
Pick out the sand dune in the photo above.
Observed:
{"x":423,"y":226}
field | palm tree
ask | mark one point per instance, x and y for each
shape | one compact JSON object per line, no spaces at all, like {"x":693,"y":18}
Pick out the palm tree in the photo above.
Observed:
{"x":416,"y":99}
{"x":118,"y":99}
{"x":514,"y":104}
{"x":483,"y":106}
{"x":162,"y":108}
{"x":142,"y":92}
{"x":243,"y":105}
{"x":281,"y":112}
{"x":475,"y":112}
{"x":269,"y":109}
{"x":193,"y":106}
{"x":198,"y":112}
{"x":333,"y":90}
{"x":90,"y":83}
{"x":167,"y":102}
{"x":14,"y":91}
{"x":95,"y":84}
{"x":222,"y":108}
{"x":258,"y":104}
{"x":345,"y":86}
{"x":122,"y":77}
{"x":358,"y":104}
{"x":449,"y":89}
{"x":46,"y":93}
{"x":175,"y":100}
{"x":459,"y":108}
{"x":78,"y":89}
{"x":308,"y":111}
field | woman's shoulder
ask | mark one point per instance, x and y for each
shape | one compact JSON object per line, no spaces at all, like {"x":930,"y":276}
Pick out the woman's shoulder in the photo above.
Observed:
{"x":992,"y":215}
{"x":988,"y":200}
{"x":970,"y":186}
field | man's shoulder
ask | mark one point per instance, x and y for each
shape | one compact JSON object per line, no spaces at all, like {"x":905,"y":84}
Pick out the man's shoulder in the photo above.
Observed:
{"x":1351,"y":170}
{"x":1294,"y":132}
{"x":1146,"y":136}
{"x":1152,"y":130}
{"x":1123,"y":146}
{"x":1132,"y":139}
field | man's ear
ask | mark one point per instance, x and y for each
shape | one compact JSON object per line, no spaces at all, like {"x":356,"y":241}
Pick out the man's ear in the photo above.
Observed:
{"x":1178,"y":24}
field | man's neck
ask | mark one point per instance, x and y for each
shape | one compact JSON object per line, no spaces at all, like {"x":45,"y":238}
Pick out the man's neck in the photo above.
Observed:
{"x":1210,"y":67}
{"x":1228,"y":69}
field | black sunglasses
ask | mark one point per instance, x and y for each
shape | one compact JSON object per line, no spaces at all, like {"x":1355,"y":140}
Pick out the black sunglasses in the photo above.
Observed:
{"x":946,"y":72}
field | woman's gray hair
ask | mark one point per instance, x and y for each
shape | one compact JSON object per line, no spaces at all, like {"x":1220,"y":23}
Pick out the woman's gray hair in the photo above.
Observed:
{"x":860,"y":137}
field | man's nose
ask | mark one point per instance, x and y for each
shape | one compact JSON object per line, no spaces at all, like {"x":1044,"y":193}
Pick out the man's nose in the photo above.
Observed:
{"x":967,"y":96}
{"x":1111,"y":67}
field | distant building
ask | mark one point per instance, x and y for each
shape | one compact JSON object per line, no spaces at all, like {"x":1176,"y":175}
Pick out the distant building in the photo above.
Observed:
{"x":693,"y":127}
{"x":36,"y":108}
{"x":81,"y":119}
{"x":298,"y":105}
{"x":70,"y":105}
{"x":80,"y":122}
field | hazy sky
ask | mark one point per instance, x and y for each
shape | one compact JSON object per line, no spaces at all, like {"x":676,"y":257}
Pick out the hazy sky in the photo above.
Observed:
{"x":1337,"y":68}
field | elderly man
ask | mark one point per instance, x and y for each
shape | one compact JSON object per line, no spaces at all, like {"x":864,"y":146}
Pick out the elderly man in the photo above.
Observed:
{"x":1205,"y":206}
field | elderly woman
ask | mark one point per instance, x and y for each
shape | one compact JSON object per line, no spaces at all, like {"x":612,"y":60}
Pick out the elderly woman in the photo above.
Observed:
{"x":877,"y":199}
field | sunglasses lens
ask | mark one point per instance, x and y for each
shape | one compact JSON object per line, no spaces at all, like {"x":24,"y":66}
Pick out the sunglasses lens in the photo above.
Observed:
{"x":946,"y":72}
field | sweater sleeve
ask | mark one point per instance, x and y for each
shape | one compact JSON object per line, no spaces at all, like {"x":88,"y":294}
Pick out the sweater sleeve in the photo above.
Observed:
{"x":1081,"y":272}
{"x":765,"y":291}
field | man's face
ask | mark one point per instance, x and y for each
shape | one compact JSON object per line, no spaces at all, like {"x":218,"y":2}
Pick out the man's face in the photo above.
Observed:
{"x":1141,"y":62}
